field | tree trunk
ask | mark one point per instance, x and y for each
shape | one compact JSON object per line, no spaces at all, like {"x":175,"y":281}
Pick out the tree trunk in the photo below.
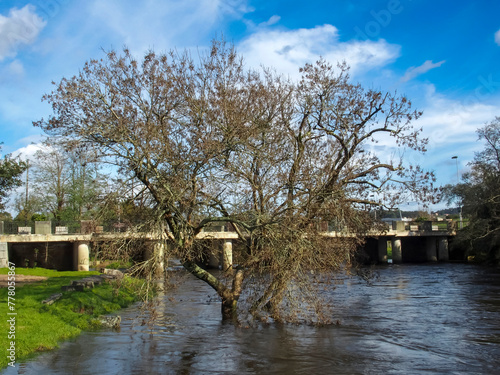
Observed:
{"x":229,"y":297}
{"x":229,"y":309}
{"x":229,"y":302}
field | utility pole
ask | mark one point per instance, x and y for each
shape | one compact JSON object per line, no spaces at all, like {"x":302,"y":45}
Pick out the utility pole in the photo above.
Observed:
{"x":458,"y":181}
{"x":27,"y":193}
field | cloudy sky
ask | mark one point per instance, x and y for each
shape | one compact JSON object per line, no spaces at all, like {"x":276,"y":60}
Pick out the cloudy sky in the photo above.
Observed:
{"x":444,"y":55}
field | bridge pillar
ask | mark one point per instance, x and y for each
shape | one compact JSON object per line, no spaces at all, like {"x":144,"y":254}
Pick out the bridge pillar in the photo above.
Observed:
{"x":155,"y":253}
{"x":443,"y":254}
{"x":81,"y":256}
{"x":160,"y":252}
{"x":397,"y":253}
{"x":430,"y":249}
{"x":227,"y":255}
{"x":213,"y":259}
{"x":382,"y":250}
{"x":4,"y":255}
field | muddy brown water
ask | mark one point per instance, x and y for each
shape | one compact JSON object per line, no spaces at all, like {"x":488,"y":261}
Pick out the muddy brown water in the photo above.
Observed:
{"x":413,"y":319}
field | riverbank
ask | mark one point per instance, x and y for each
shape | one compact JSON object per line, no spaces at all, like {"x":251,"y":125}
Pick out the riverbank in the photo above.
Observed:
{"x":28,"y":327}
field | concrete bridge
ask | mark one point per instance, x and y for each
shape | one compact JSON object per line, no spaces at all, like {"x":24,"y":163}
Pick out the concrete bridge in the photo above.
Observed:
{"x":408,"y":242}
{"x":71,"y":251}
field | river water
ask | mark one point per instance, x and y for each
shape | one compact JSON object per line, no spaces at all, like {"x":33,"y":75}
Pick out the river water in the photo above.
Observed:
{"x":413,"y":319}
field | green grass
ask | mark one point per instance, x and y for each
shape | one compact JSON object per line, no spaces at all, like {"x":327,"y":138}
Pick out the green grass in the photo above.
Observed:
{"x":120,"y":264}
{"x":40,"y":327}
{"x":442,"y":225}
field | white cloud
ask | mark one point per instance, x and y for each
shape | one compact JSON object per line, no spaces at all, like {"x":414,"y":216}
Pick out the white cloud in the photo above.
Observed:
{"x":448,"y":120}
{"x":287,"y":50}
{"x":28,"y":152}
{"x":20,"y":27}
{"x":12,"y":74}
{"x":16,"y":68}
{"x":271,"y":21}
{"x":450,"y":125}
{"x":161,"y":25}
{"x":415,"y":71}
{"x":497,"y":37}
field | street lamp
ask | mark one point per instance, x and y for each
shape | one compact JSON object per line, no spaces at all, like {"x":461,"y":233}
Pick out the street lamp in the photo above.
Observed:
{"x":460,"y":205}
{"x":375,"y":209}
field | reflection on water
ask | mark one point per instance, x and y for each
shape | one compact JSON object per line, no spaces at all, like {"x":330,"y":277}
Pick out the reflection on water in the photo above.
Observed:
{"x":442,"y":318}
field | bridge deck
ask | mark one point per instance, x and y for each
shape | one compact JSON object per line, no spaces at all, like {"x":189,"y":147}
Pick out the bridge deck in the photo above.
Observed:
{"x":20,"y":238}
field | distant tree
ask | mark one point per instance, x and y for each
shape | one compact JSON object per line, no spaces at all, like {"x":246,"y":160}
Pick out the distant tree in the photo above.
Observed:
{"x":213,"y":142}
{"x":5,"y":216}
{"x":65,"y":183}
{"x":39,"y":217}
{"x":86,"y":185}
{"x":11,"y":170}
{"x":50,"y":180}
{"x":126,"y":202}
{"x":479,"y":194}
{"x":27,"y":208}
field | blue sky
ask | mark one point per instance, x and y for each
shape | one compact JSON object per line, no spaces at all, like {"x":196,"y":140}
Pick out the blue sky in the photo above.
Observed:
{"x":444,"y":55}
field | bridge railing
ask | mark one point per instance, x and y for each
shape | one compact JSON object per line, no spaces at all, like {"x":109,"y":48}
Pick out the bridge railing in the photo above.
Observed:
{"x":63,"y":227}
{"x":422,"y":226}
{"x":90,"y":226}
{"x":432,"y":226}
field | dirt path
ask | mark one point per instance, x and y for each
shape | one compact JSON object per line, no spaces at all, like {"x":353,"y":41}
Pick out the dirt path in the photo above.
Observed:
{"x":20,"y":280}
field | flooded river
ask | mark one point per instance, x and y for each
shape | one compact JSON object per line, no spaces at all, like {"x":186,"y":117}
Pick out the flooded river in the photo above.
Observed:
{"x":413,"y":319}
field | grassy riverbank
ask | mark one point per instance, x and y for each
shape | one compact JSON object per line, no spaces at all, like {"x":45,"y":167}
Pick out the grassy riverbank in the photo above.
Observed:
{"x":39,"y":327}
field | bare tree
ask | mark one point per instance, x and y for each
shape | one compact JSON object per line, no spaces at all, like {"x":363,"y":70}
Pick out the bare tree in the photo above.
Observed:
{"x":65,"y":182}
{"x":50,"y":180}
{"x":214,"y":142}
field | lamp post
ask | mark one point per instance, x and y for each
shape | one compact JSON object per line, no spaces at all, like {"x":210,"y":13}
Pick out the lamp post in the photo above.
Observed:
{"x":460,"y":205}
{"x":375,"y":209}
